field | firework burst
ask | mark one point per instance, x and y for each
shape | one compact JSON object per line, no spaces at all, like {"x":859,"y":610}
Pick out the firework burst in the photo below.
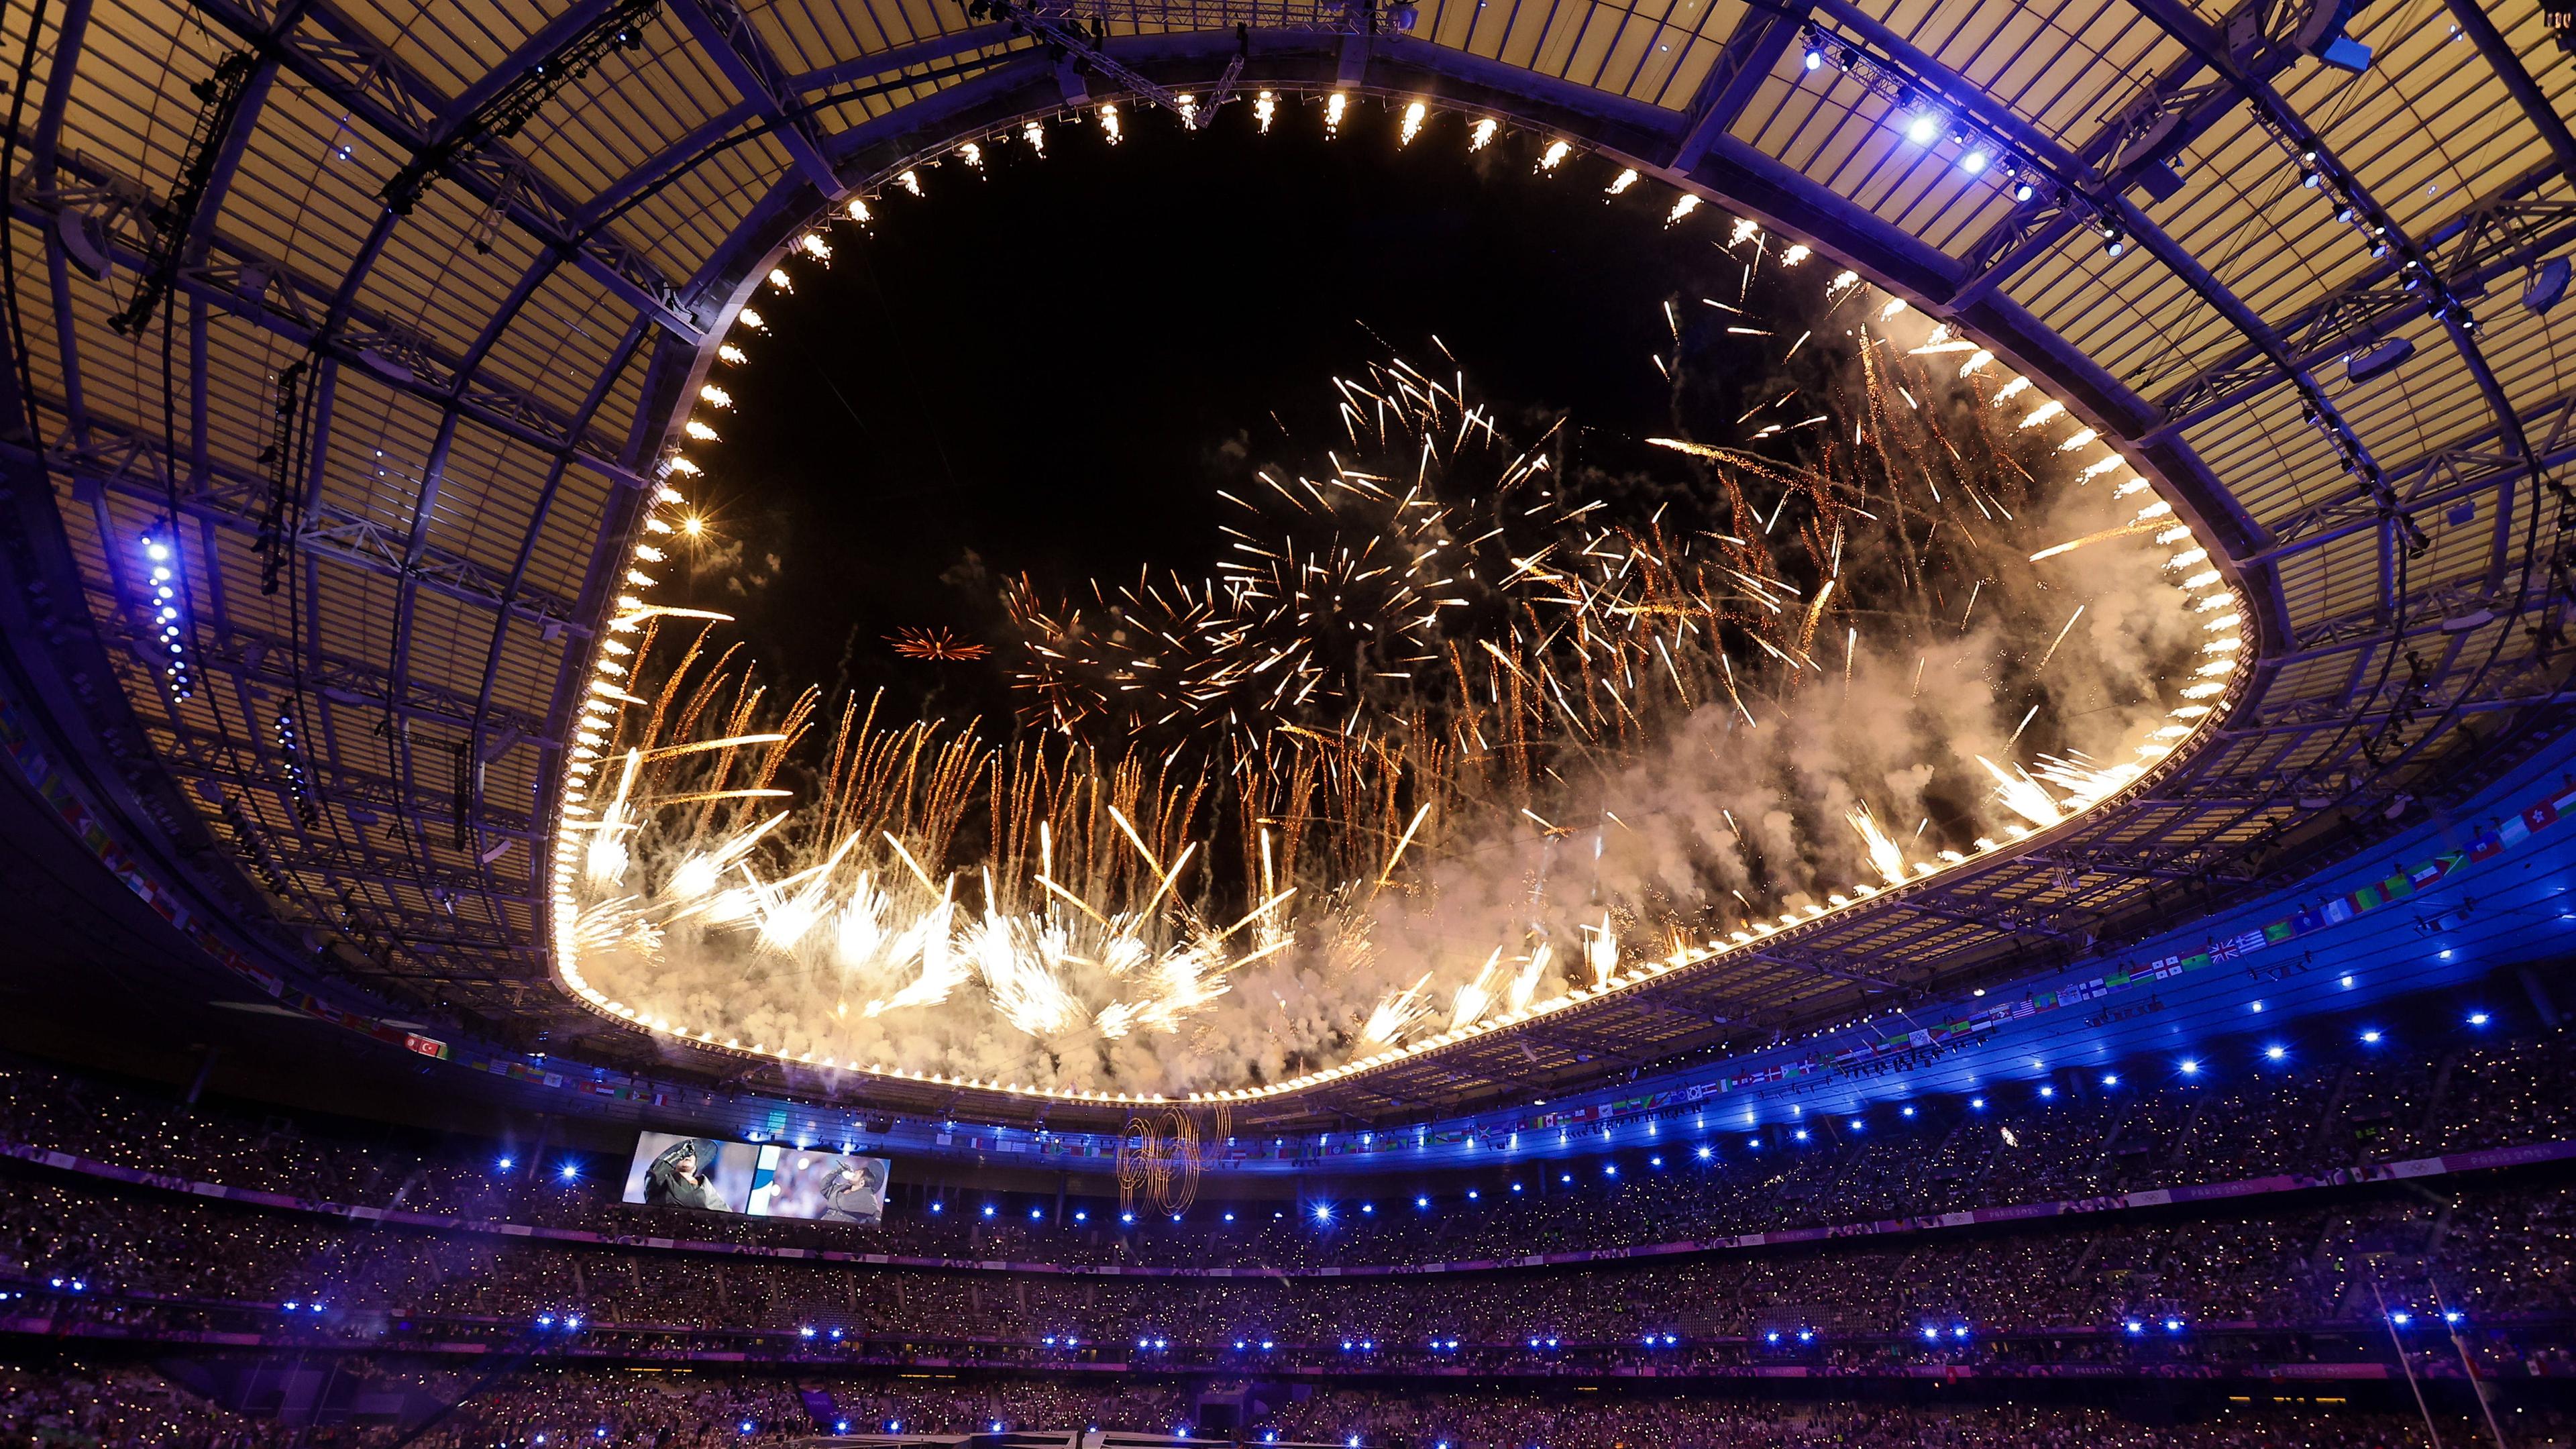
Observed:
{"x":1448,"y":739}
{"x":940,"y":645}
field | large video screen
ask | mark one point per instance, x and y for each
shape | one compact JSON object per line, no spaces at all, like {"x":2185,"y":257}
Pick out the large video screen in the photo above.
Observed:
{"x":827,"y":1187}
{"x":670,"y":1170}
{"x":767,"y":1180}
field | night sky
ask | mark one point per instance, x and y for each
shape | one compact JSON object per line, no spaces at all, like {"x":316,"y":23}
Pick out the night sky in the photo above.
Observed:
{"x":1051,"y":366}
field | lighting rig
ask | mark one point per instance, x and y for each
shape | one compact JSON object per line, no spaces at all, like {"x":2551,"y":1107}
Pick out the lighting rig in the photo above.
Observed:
{"x":175,"y":220}
{"x":167,"y":614}
{"x":1922,"y":113}
{"x":621,"y":27}
{"x":299,"y":783}
{"x":1088,"y":49}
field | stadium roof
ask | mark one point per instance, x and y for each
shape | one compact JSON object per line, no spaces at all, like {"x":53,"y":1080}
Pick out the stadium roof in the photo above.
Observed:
{"x":439,"y":279}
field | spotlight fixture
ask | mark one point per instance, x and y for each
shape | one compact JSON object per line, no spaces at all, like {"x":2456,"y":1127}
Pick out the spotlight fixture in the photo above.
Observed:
{"x":2547,"y":285}
{"x":2378,"y":360}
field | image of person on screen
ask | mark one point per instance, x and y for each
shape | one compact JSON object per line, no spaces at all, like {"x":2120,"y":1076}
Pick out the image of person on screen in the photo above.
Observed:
{"x":854,"y":1191}
{"x":679,"y":1177}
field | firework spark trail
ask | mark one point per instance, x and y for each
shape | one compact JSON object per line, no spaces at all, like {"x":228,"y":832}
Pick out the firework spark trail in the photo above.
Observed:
{"x":1884,"y":856}
{"x":1407,"y":707}
{"x":2060,"y":639}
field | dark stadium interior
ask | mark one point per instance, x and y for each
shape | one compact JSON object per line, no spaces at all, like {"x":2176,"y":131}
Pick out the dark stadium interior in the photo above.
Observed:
{"x":1397,"y":724}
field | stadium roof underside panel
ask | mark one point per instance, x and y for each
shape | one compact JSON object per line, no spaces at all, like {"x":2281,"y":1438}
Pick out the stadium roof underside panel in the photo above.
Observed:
{"x":391,"y":382}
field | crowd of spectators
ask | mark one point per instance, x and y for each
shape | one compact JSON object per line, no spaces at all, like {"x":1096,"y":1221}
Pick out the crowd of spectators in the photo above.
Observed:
{"x":2499,"y":1254}
{"x":2307,"y":1278}
{"x":1486,"y":1422}
{"x":1681,"y":1175}
{"x":154,"y":1261}
{"x":74,"y":1406}
{"x":116,"y":1408}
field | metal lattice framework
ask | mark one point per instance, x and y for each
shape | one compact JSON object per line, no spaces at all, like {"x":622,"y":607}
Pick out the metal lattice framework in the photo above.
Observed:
{"x":395,"y":380}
